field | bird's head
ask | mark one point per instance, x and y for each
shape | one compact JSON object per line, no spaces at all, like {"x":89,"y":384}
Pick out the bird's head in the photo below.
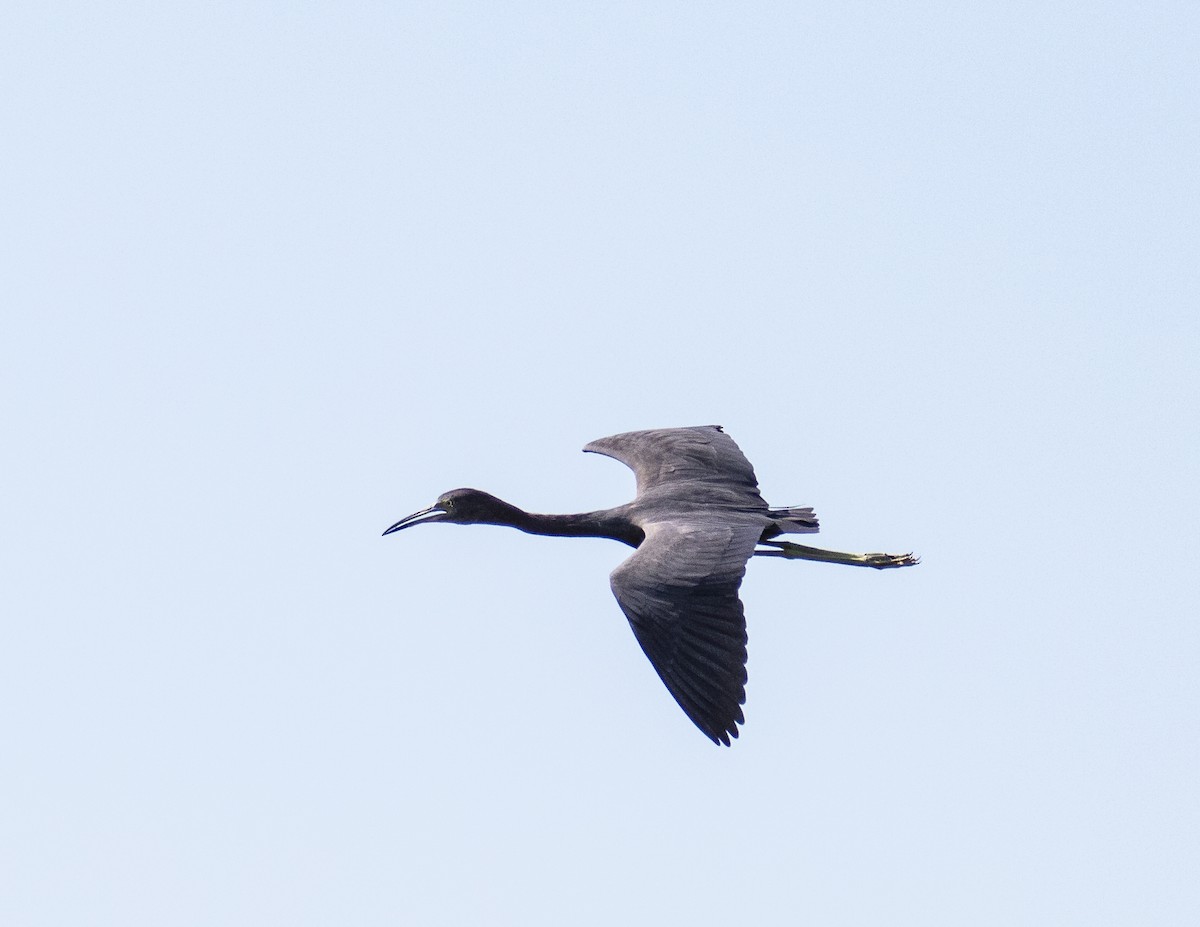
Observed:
{"x":462,"y":507}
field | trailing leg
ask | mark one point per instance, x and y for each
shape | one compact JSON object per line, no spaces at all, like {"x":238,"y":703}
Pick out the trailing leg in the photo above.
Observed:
{"x":802,"y":552}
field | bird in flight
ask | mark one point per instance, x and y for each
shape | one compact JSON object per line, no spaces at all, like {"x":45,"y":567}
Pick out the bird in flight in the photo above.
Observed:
{"x":696,"y":520}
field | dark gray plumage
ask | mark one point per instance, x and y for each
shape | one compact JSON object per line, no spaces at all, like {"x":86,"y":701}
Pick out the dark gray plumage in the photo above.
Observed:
{"x":696,"y":520}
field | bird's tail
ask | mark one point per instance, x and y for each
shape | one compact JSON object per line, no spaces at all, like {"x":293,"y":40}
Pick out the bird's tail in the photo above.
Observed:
{"x":795,"y":520}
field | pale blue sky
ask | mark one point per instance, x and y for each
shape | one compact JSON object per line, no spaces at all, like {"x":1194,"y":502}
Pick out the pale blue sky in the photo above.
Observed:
{"x":278,"y":274}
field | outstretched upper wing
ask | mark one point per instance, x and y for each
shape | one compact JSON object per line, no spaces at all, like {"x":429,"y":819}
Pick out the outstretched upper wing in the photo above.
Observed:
{"x":680,"y":594}
{"x":679,"y":456}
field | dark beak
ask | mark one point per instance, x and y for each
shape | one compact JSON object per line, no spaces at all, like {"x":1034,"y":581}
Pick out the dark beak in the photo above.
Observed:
{"x":433,"y":513}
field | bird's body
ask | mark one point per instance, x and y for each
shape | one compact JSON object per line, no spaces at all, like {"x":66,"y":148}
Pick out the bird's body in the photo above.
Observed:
{"x":696,"y":520}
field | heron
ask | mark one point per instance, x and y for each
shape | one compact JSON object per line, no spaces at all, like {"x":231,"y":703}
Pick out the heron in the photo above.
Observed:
{"x":696,"y":520}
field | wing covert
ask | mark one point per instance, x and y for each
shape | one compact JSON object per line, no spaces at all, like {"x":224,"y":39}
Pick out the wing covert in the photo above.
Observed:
{"x":679,"y":456}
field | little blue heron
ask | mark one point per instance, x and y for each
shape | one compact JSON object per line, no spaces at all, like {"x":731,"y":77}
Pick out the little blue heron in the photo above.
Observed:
{"x":696,"y":520}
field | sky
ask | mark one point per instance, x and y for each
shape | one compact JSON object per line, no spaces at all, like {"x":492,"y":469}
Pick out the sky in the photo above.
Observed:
{"x":278,"y":274}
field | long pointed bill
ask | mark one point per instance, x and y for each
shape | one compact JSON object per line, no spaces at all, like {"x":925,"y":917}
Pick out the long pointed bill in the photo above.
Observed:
{"x":433,"y":513}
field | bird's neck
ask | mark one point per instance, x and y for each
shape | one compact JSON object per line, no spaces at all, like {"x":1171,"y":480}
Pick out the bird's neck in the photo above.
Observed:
{"x":587,"y":525}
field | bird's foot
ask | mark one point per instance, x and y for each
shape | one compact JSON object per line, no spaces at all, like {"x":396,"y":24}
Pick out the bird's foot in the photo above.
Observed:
{"x":886,"y":561}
